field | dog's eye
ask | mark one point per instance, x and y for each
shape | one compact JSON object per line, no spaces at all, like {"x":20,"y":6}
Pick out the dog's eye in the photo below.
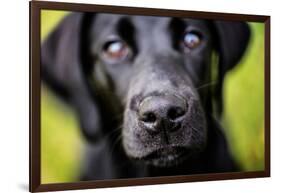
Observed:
{"x":192,"y":40}
{"x":116,"y":49}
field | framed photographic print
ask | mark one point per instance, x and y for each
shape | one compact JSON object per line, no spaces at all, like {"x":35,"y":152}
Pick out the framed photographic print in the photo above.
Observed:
{"x":123,"y":96}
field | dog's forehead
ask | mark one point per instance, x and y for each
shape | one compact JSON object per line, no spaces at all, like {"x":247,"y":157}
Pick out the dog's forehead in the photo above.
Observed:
{"x":142,"y":23}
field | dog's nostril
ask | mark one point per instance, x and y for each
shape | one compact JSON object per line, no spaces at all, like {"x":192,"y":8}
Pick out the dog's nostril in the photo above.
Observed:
{"x":148,"y":117}
{"x":158,"y":113}
{"x":175,"y":112}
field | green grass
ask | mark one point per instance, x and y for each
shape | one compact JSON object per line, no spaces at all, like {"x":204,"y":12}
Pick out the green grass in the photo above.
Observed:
{"x":244,"y":99}
{"x":61,"y":142}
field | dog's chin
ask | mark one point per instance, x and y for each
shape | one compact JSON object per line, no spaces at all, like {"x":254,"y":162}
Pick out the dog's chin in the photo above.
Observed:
{"x":167,"y":157}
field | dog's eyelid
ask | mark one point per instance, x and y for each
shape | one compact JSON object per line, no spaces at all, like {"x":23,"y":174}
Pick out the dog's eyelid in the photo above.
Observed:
{"x":194,"y":30}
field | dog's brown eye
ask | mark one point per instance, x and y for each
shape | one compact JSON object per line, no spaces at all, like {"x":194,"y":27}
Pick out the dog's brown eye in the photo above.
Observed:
{"x":116,"y":49}
{"x":192,"y":40}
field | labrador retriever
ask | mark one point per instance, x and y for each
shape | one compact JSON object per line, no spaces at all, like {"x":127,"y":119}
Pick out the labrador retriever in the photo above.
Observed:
{"x":144,"y":91}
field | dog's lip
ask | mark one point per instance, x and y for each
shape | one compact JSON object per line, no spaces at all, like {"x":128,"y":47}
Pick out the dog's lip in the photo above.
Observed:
{"x":167,"y":156}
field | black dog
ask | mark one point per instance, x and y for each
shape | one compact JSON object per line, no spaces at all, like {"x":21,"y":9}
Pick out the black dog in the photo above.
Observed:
{"x":142,"y":88}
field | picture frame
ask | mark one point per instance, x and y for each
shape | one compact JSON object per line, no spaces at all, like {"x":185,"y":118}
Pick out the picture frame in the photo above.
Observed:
{"x":35,"y":96}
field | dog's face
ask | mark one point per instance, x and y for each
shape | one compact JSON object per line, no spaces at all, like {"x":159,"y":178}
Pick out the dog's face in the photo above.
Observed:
{"x":155,"y":65}
{"x":149,"y":70}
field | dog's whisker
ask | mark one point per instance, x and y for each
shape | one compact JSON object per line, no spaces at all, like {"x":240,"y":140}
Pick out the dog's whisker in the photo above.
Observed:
{"x":114,"y":131}
{"x":115,"y":143}
{"x":207,"y":85}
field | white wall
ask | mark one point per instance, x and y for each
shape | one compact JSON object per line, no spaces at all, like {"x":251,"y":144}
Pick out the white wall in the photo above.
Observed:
{"x":14,"y":94}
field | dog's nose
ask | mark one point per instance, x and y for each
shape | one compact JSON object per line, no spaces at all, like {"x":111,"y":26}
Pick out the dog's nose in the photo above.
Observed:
{"x":162,"y":112}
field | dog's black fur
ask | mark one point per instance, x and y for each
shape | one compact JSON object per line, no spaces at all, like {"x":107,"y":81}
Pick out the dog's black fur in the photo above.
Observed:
{"x":148,"y":111}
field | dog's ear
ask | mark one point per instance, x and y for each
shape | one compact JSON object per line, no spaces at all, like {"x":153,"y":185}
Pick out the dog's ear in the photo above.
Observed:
{"x":61,"y":69}
{"x":232,"y":39}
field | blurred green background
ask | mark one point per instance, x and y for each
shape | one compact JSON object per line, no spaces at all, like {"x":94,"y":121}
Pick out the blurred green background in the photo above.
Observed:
{"x":61,"y":143}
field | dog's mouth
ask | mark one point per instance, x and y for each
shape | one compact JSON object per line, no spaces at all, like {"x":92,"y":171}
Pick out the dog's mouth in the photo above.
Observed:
{"x":167,"y":157}
{"x":164,"y":130}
